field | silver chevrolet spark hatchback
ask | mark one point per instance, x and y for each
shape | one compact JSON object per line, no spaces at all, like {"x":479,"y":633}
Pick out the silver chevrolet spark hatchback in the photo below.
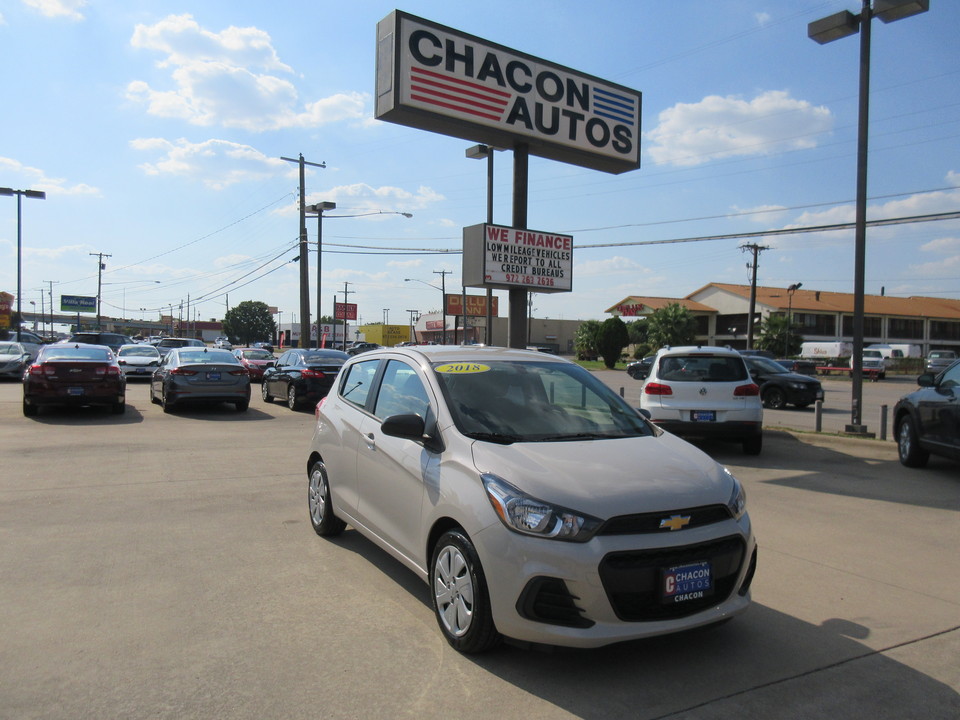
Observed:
{"x":533,"y":500}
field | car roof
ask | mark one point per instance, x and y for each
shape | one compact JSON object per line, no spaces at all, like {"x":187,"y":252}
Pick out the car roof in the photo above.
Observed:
{"x":688,"y":349}
{"x":458,"y":353}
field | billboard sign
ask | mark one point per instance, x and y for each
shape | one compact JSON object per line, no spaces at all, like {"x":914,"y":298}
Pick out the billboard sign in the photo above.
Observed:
{"x":78,"y":303}
{"x":345,"y":311}
{"x":439,"y":79}
{"x":476,"y":305}
{"x":503,"y":257}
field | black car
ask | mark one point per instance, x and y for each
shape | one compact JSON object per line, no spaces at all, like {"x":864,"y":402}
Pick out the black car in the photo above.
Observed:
{"x":639,"y":369}
{"x":780,"y":387}
{"x":110,"y":339}
{"x":361,"y":347}
{"x":302,"y":376}
{"x":801,"y":367}
{"x":928,"y":420}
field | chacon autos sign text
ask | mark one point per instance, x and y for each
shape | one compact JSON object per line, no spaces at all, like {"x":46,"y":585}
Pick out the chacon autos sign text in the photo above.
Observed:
{"x":439,"y":79}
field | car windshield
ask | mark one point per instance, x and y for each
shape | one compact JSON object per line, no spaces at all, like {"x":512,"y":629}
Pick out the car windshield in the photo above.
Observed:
{"x":207,"y":357}
{"x":872,"y":354}
{"x":702,"y":367}
{"x":943,"y":355}
{"x":258,"y":355}
{"x":67,"y":353}
{"x":766,"y":365}
{"x":11,"y":349}
{"x":138,"y":351}
{"x":509,"y":401}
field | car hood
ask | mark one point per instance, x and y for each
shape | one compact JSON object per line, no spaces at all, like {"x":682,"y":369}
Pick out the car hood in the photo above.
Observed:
{"x":795,"y":377}
{"x":607,"y":478}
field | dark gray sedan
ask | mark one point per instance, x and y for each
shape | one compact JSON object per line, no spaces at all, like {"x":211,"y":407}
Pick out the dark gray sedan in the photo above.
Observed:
{"x":193,"y":374}
{"x":302,"y":376}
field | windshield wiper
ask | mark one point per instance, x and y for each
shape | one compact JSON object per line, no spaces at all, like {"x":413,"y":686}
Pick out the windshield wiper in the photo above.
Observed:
{"x":499,"y":438}
{"x":582,"y":436}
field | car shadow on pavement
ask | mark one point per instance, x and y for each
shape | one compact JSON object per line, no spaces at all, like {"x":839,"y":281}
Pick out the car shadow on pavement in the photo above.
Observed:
{"x":850,"y":467}
{"x":61,"y":415}
{"x":763,"y":664}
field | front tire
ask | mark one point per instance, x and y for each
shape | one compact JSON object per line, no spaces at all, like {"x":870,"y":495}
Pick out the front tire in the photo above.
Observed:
{"x":775,"y":399}
{"x":461,"y":601}
{"x":265,"y":393}
{"x":324,"y":522}
{"x":908,"y":446}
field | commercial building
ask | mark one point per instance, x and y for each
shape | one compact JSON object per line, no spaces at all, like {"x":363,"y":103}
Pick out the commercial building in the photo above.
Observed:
{"x":722,"y":311}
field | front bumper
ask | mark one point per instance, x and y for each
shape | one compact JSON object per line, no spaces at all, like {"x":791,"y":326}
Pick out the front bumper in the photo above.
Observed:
{"x":608,"y":589}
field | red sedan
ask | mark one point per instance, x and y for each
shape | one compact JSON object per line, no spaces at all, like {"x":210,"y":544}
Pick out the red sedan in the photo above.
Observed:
{"x":255,"y":360}
{"x":74,"y":374}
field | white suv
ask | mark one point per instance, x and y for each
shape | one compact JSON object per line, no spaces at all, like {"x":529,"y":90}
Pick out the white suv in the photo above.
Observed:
{"x":704,"y":391}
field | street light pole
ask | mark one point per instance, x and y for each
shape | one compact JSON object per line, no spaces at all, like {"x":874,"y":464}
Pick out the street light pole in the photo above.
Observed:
{"x":39,"y":195}
{"x":318,"y":208}
{"x":443,"y":308}
{"x":827,"y":30}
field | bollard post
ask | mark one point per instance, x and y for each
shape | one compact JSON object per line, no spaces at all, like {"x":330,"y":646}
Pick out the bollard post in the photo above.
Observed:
{"x":621,"y":392}
{"x":818,"y":411}
{"x":883,"y":422}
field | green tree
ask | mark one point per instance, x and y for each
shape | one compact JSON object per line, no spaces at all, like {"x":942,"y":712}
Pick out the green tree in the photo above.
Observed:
{"x":585,"y":340}
{"x":249,"y":322}
{"x":671,"y":325}
{"x":779,"y":337}
{"x":612,"y":338}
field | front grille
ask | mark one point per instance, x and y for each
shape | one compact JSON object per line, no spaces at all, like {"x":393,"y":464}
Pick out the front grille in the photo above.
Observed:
{"x":642,"y":523}
{"x":548,"y":600}
{"x":632,"y":579}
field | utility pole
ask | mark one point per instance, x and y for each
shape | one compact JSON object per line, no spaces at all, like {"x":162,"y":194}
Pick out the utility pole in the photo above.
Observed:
{"x":443,"y":309}
{"x":304,"y":255}
{"x":345,"y":294}
{"x":50,"y":285}
{"x":100,"y":268}
{"x":414,"y":316}
{"x":756,"y":250}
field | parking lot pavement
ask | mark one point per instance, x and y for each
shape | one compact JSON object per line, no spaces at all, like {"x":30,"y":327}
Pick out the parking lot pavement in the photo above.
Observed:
{"x":163,"y":566}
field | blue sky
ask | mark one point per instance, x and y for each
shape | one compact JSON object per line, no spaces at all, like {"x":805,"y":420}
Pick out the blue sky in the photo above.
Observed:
{"x":156,"y":130}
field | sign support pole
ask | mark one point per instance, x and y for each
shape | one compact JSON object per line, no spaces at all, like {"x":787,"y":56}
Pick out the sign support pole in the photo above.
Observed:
{"x":517,"y":313}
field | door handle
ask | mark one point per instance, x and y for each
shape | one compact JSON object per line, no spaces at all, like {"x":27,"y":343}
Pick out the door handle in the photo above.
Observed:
{"x":370,"y":440}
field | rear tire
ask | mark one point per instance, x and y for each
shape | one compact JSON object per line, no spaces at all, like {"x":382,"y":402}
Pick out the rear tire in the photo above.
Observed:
{"x":908,"y":446}
{"x":118,"y":408}
{"x":459,"y":593}
{"x":242,"y":405}
{"x":292,"y":400}
{"x":753,"y":445}
{"x":324,"y":522}
{"x":30,"y":410}
{"x":166,"y":402}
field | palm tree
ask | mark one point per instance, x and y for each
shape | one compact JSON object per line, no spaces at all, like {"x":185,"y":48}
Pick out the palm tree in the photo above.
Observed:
{"x":671,"y":325}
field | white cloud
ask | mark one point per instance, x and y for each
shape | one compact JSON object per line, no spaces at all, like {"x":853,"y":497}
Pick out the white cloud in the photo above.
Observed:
{"x":230,"y":79}
{"x":216,"y":163}
{"x":405,"y":264}
{"x":616,"y":265}
{"x":718,"y":127}
{"x":58,"y":8}
{"x":946,"y":244}
{"x":36,"y":179}
{"x":940,"y":268}
{"x":762,"y":18}
{"x":953,"y":178}
{"x":361,"y":198}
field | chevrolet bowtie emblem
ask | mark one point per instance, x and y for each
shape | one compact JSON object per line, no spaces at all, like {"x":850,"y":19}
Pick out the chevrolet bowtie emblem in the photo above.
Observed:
{"x":675,"y":522}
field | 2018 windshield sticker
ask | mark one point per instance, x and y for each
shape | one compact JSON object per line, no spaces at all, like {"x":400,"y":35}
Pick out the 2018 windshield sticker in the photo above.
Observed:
{"x":462,"y":368}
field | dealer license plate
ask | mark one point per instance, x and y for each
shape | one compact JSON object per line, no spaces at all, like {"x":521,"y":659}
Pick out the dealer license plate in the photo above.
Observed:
{"x":213,"y":376}
{"x":703,"y":415}
{"x":682,"y":583}
{"x":74,"y":391}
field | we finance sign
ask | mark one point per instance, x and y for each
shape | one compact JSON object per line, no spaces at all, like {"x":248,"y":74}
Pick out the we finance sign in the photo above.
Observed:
{"x":495,"y":256}
{"x":439,"y":79}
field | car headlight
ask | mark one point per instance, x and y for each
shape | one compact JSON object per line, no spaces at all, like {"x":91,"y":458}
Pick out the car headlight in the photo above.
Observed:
{"x":530,"y":516}
{"x":738,"y":498}
{"x":798,"y":385}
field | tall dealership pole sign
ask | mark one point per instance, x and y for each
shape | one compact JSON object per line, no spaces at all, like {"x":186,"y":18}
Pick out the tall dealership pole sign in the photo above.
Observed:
{"x":442,"y":80}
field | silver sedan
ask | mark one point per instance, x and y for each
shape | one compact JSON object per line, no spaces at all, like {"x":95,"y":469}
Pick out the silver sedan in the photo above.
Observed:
{"x":193,"y":374}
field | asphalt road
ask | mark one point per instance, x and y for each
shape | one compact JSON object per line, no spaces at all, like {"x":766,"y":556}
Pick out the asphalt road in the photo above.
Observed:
{"x":163,"y":566}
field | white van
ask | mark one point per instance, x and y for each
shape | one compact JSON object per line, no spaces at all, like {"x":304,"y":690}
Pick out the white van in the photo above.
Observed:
{"x":824,"y":350}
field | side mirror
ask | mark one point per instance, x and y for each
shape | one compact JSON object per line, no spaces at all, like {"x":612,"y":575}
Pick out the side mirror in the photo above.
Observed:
{"x":926,"y":380}
{"x":644,"y":412}
{"x":410,"y":427}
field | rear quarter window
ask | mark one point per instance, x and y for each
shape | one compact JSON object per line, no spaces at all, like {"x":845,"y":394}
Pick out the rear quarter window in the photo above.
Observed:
{"x":358,"y":381}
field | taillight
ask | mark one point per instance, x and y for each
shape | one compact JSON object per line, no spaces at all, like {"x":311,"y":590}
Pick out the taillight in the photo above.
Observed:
{"x":107,"y":370}
{"x":37,"y":369}
{"x":241,"y":371}
{"x":746,"y":390}
{"x":308,"y":373}
{"x":183,"y":371}
{"x":652,"y":388}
